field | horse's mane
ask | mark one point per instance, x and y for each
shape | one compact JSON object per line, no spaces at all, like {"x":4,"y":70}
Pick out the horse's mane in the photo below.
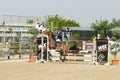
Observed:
{"x":51,"y":40}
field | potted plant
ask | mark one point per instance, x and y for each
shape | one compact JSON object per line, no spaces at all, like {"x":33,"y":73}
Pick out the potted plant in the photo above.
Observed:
{"x":33,"y":44}
{"x":114,"y":51}
{"x":33,"y":51}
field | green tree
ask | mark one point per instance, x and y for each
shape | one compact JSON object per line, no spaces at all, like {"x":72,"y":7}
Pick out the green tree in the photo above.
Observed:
{"x":75,"y":36}
{"x":116,"y":35}
{"x":115,"y":23}
{"x":105,"y":24}
{"x":33,"y":40}
{"x":57,"y":22}
{"x":102,"y":25}
{"x":116,"y":31}
{"x":30,"y":21}
{"x":115,"y":50}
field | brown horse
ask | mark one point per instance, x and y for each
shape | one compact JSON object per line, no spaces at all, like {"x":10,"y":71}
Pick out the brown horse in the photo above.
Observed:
{"x":51,"y":40}
{"x":63,"y":49}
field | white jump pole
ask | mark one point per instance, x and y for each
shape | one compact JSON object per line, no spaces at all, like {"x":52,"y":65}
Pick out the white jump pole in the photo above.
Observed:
{"x":94,"y":52}
{"x":42,"y":50}
{"x":47,"y":48}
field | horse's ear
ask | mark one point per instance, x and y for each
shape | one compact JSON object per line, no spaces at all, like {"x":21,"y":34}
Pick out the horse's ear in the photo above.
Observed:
{"x":47,"y":33}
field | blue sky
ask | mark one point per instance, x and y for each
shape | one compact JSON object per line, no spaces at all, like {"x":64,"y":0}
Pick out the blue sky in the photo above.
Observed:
{"x":83,"y":11}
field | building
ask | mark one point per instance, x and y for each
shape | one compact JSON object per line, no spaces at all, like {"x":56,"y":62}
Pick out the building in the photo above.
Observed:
{"x":82,"y":33}
{"x":15,"y":33}
{"x":11,"y":34}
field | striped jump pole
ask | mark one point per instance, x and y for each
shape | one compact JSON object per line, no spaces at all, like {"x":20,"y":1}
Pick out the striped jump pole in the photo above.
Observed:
{"x":78,"y":57}
{"x":73,"y":55}
{"x":74,"y":60}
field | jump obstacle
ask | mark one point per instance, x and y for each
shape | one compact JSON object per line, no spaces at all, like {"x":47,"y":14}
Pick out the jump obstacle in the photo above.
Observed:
{"x":78,"y":57}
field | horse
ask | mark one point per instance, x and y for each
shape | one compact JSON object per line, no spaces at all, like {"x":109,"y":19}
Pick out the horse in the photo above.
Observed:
{"x":51,"y":39}
{"x":63,"y":49}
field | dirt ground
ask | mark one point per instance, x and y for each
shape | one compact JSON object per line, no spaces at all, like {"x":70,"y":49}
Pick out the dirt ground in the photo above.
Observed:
{"x":24,"y":70}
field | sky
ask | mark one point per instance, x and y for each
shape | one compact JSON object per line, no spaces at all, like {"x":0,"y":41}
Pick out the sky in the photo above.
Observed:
{"x":85,"y":12}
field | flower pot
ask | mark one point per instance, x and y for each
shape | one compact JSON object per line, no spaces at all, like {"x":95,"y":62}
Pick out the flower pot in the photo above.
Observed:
{"x":115,"y":62}
{"x":33,"y":59}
